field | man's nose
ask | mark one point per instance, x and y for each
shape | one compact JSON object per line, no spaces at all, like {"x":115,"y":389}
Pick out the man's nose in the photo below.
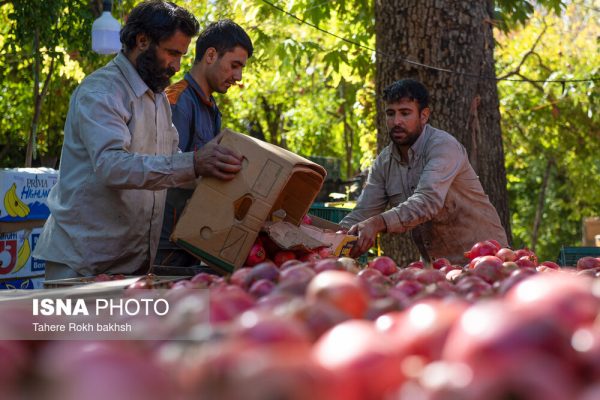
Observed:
{"x":175,"y":64}
{"x":398,"y":120}
{"x":237,"y":75}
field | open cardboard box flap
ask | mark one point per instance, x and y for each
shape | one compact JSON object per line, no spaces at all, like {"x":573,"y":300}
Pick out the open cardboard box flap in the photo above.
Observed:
{"x":309,"y":237}
{"x":290,"y":237}
{"x":326,"y":232}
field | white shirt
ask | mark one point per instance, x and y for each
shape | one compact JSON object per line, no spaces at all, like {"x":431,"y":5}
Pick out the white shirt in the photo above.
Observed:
{"x":118,"y":156}
{"x":436,"y":194}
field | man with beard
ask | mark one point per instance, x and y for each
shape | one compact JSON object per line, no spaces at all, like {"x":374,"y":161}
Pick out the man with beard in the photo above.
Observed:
{"x":425,"y":179}
{"x":120,"y":154}
{"x":222,"y":50}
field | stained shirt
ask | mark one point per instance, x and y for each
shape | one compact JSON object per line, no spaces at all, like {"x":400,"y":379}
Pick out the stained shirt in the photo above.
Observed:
{"x":198,"y":120}
{"x":436,"y":194}
{"x":119,"y":155}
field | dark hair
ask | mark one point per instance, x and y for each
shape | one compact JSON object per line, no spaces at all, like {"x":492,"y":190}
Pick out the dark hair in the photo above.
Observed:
{"x":410,"y":89}
{"x":224,"y":36}
{"x":159,"y":20}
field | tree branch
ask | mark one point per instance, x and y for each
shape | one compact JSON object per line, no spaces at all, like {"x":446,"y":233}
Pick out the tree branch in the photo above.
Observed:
{"x":5,"y":149}
{"x":540,"y":205}
{"x":531,"y":51}
{"x":48,"y":79}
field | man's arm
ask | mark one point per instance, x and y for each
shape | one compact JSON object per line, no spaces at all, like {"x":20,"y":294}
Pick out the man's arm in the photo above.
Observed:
{"x":107,"y":138}
{"x":373,"y":198}
{"x":217,"y":161}
{"x":367,"y":234}
{"x":365,"y":220}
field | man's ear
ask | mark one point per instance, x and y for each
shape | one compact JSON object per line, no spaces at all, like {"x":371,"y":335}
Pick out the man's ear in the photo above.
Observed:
{"x":142,"y":41}
{"x":211,"y":55}
{"x":425,"y":115}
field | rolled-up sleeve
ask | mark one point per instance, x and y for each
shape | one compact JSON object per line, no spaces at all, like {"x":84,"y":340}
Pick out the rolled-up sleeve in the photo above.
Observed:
{"x":107,"y":139}
{"x":442,"y":164}
{"x":372,"y":200}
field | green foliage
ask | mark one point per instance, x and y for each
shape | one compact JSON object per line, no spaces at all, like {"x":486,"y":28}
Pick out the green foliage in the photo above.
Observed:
{"x":511,"y":14}
{"x":304,"y":89}
{"x":56,"y":34}
{"x":551,"y":123}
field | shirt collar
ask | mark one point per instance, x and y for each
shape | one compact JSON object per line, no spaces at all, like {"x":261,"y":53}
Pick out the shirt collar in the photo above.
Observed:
{"x":208,"y":101}
{"x":131,"y":75}
{"x":416,"y":149}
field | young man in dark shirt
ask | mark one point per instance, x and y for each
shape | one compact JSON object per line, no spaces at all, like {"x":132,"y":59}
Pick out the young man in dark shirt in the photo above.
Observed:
{"x":222,"y":50}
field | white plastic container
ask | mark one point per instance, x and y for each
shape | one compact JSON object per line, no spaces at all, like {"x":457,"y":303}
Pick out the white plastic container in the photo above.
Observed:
{"x":105,"y":33}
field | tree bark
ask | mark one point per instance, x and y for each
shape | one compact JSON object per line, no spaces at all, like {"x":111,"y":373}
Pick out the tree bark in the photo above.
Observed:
{"x":456,"y":37}
{"x":539,"y":210}
{"x":273,"y":115}
{"x":348,"y":131}
{"x":38,"y":98}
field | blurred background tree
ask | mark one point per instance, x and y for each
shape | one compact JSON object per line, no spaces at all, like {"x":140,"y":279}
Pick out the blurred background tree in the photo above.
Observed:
{"x":551,"y":130}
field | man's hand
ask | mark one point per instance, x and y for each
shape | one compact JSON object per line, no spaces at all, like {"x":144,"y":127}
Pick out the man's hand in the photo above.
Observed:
{"x":215,"y":160}
{"x":367,"y":233}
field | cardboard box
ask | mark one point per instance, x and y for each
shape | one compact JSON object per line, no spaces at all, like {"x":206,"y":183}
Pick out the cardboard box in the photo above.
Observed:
{"x":325,"y":232}
{"x":15,"y":254}
{"x":222,"y":219}
{"x":321,"y":233}
{"x":31,"y":282}
{"x":24,"y":193}
{"x":591,"y":228}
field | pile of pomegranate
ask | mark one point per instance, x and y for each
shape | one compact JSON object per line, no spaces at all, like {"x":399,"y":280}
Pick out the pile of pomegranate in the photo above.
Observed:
{"x":296,"y":327}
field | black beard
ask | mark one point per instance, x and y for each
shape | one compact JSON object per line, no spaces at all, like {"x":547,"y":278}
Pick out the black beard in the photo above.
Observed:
{"x":148,"y":66}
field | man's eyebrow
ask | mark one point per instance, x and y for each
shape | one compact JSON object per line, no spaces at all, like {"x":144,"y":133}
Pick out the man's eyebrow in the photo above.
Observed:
{"x":175,"y":51}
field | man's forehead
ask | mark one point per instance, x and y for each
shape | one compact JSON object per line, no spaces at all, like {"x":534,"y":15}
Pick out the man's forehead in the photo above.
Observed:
{"x":404,"y":102}
{"x":237,"y":53}
{"x":178,"y":41}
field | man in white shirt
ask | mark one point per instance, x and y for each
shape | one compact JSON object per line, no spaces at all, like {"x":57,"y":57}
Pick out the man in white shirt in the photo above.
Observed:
{"x":422,"y":182}
{"x":120,"y":154}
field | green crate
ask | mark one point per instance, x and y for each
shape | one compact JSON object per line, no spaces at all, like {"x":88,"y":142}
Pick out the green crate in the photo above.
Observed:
{"x":363,"y":260}
{"x":568,"y":256}
{"x":333,"y":214}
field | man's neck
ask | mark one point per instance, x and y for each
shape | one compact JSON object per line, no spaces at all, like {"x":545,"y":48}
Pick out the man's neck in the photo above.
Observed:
{"x":197,"y":72}
{"x":403,"y":150}
{"x":131,"y":55}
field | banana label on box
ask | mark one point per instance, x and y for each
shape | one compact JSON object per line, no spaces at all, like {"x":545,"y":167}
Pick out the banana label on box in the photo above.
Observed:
{"x":15,"y":254}
{"x":24,"y":193}
{"x":345,"y":245}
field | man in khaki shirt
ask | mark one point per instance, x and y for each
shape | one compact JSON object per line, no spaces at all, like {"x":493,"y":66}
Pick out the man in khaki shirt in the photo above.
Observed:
{"x":120,"y":154}
{"x":422,"y":182}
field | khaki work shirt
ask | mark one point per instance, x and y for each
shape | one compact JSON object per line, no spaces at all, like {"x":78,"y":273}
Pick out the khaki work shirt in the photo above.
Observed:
{"x":118,"y":156}
{"x":437,"y":195}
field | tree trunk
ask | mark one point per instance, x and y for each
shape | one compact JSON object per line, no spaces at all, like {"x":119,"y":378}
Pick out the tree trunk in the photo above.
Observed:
{"x":38,"y":98}
{"x":539,"y":210}
{"x":455,"y":36}
{"x":36,"y":92}
{"x":273,"y":115}
{"x":348,"y":130}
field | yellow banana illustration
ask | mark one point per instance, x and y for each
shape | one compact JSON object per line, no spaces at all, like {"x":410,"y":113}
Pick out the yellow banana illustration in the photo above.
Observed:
{"x":23,"y":254}
{"x":13,"y":204}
